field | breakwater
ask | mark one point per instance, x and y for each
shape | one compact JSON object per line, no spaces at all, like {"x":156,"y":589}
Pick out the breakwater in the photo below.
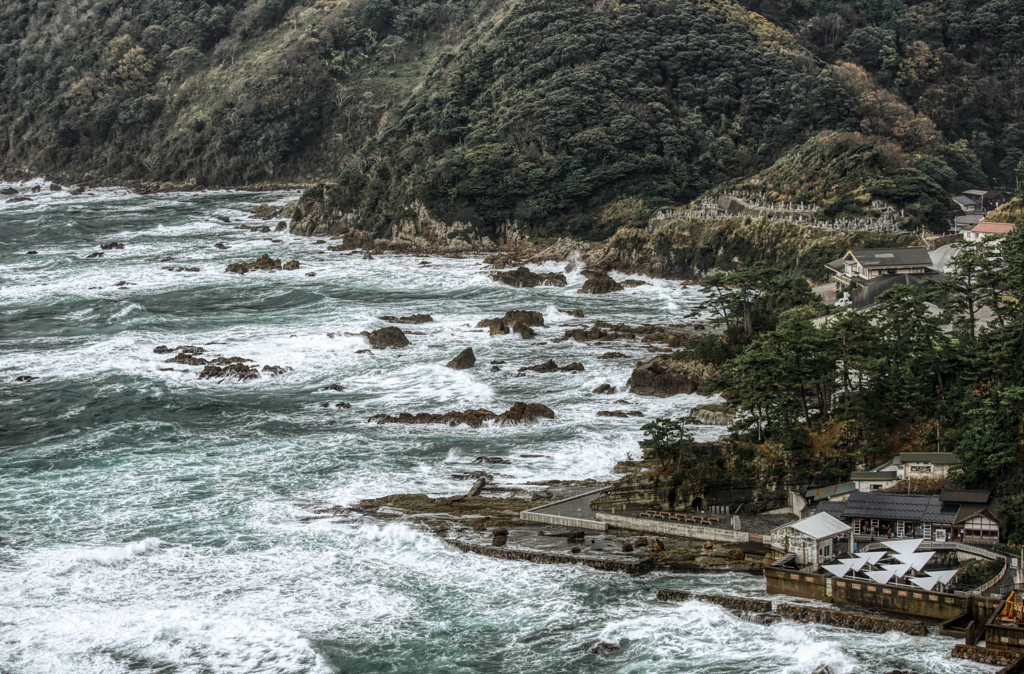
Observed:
{"x":1011,"y":663}
{"x":854,"y":621}
{"x":632,"y":568}
{"x":735,"y":603}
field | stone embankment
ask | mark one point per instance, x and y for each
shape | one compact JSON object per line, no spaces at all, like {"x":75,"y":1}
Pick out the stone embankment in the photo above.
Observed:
{"x":1011,"y":663}
{"x":637,"y":568}
{"x":735,"y":603}
{"x":854,"y":621}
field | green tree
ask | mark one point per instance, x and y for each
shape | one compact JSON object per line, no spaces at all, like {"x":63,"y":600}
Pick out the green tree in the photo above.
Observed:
{"x":668,"y":441}
{"x":972,"y":282}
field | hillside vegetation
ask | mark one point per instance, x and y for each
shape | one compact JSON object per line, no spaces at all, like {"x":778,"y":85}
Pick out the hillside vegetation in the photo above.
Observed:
{"x":540,"y":113}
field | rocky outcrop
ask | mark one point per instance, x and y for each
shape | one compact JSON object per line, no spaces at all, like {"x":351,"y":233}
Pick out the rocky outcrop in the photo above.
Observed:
{"x":632,"y":568}
{"x":414,"y":319}
{"x":520,"y":413}
{"x":495,"y":326}
{"x":607,"y":389}
{"x":387,"y":337}
{"x":465,"y":360}
{"x":633,"y":283}
{"x":522,"y":277}
{"x":713,"y":414}
{"x":854,"y":621}
{"x":551,"y":366}
{"x":611,"y":354}
{"x":599,"y":283}
{"x":745,"y":604}
{"x":240,"y":371}
{"x":113,"y":245}
{"x":620,"y":413}
{"x":290,"y":265}
{"x":262,"y":263}
{"x":529,"y":318}
{"x":523,"y":330}
{"x":664,"y":376}
{"x":575,"y":313}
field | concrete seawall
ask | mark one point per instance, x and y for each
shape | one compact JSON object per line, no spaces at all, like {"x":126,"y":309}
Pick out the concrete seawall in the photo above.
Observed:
{"x":572,"y":522}
{"x":664,"y":528}
{"x":632,"y":568}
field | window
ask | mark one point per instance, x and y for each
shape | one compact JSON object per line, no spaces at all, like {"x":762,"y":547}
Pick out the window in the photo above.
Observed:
{"x":899,"y":528}
{"x":856,"y":527}
{"x":920,"y":469}
{"x":927,"y":531}
{"x":876,"y":487}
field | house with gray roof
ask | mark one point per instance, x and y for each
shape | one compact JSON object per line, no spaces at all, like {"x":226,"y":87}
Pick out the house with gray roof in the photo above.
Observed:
{"x":905,"y":466}
{"x":867,"y":273}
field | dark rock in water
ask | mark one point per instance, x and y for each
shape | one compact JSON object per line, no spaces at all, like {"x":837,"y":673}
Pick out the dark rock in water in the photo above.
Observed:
{"x":264,"y":212}
{"x":576,"y":313}
{"x":344,"y":405}
{"x":491,"y":459}
{"x":275,"y":370}
{"x":524,"y":278}
{"x":520,"y":413}
{"x":36,"y":252}
{"x":414,"y":319}
{"x":54,"y":187}
{"x":771,"y":619}
{"x":220,"y":246}
{"x":262,"y":263}
{"x":163,"y":349}
{"x":576,"y":535}
{"x":387,"y":337}
{"x":605,"y":389}
{"x":620,"y":413}
{"x":501,"y":261}
{"x":495,"y":368}
{"x":499,"y":541}
{"x":495,"y":325}
{"x":310,"y":273}
{"x":194,"y":350}
{"x":223,"y":218}
{"x":281,"y":226}
{"x":604,"y":648}
{"x":627,"y":547}
{"x":334,"y":387}
{"x":325,"y":404}
{"x":318,"y":241}
{"x":657,"y":546}
{"x":633,"y":283}
{"x":477,"y":487}
{"x":551,"y":366}
{"x":188,"y":269}
{"x":523,"y":330}
{"x":576,"y":551}
{"x":264,"y":229}
{"x":36,"y":189}
{"x":463,"y":361}
{"x":640,"y":542}
{"x":187,"y":359}
{"x":25,"y":378}
{"x":365,"y":351}
{"x":500,"y":531}
{"x":18,"y":200}
{"x":478,"y":525}
{"x":78,"y":191}
{"x":8,"y":191}
{"x":367,"y":255}
{"x":113,"y":245}
{"x":599,"y":284}
{"x":237,"y":370}
{"x":290,"y":265}
{"x":530,"y":318}
{"x":92,"y":255}
{"x":663,"y":376}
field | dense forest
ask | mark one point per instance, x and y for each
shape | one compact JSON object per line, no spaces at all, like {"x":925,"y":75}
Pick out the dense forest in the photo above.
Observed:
{"x":543,"y":113}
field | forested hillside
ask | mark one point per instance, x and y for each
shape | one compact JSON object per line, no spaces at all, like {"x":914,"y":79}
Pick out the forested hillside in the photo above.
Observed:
{"x":546,"y":113}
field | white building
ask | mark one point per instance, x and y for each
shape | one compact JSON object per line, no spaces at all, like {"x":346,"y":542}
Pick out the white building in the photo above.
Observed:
{"x":984,"y":230}
{"x":813,"y":539}
{"x":906,"y":466}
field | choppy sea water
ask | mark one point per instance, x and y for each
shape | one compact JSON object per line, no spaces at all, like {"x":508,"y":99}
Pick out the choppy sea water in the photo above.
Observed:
{"x":151,"y":521}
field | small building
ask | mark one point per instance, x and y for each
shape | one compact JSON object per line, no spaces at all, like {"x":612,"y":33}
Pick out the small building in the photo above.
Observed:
{"x":956,"y":515}
{"x":967,"y":204}
{"x":813,"y":539}
{"x":835,"y":492}
{"x":867,"y":273}
{"x":985,"y":230}
{"x":905,"y":466}
{"x":962,"y":222}
{"x":989,"y":200}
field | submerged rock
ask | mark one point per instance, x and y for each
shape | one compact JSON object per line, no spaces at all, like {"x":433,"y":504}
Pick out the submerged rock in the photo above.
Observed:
{"x":520,"y":413}
{"x":576,"y":313}
{"x":599,"y":283}
{"x":620,"y":413}
{"x":495,"y":326}
{"x":387,"y":337}
{"x":524,"y":278}
{"x":605,"y":389}
{"x":113,"y":245}
{"x":274,"y":370}
{"x":92,"y":255}
{"x":551,"y":366}
{"x":465,"y":360}
{"x":633,"y":283}
{"x":414,"y":319}
{"x":25,"y":378}
{"x":290,"y":265}
{"x":240,"y":371}
{"x":529,"y":318}
{"x":262,"y":263}
{"x":523,"y":330}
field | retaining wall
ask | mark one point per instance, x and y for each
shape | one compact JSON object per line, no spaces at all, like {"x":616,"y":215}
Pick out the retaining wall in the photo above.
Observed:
{"x":1010,"y":662}
{"x":797,"y":584}
{"x":573,"y":522}
{"x":665,"y":528}
{"x":632,"y":568}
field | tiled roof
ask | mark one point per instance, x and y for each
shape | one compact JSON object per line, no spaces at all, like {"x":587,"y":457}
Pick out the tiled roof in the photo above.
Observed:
{"x":892,"y":257}
{"x":873,"y":475}
{"x":966,"y":201}
{"x":937,"y":458}
{"x":964,"y":496}
{"x":985,"y":227}
{"x":880,"y":506}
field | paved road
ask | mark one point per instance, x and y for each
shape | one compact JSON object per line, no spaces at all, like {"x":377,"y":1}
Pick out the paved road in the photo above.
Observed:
{"x":578,"y":507}
{"x":941,"y":256}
